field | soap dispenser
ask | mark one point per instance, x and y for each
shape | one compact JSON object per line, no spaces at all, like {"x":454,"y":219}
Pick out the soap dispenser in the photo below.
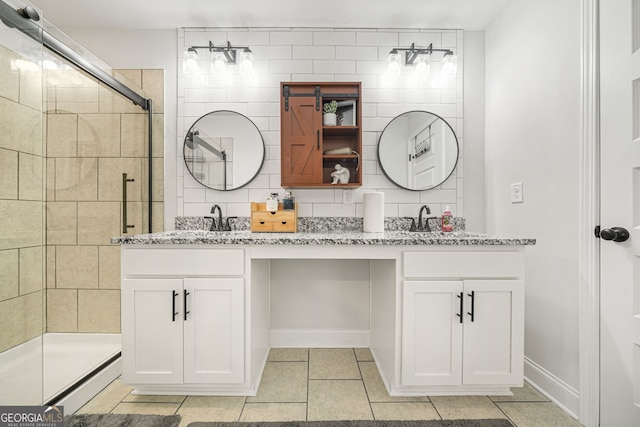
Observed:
{"x":447,"y":220}
{"x":272,"y":202}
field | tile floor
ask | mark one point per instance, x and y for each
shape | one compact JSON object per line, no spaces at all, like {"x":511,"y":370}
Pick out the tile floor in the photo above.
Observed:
{"x":330,"y":384}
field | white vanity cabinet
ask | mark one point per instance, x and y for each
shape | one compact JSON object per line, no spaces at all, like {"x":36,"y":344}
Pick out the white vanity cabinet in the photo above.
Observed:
{"x":462,"y":321}
{"x":183,"y":318}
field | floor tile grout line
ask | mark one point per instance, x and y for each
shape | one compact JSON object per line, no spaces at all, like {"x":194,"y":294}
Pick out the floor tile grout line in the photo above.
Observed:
{"x":306,"y":418}
{"x":505,"y":414}
{"x":373,"y":414}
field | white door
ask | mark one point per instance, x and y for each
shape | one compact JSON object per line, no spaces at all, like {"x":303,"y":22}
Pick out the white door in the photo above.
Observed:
{"x":493,"y":345}
{"x":152,"y":331}
{"x":620,"y":207}
{"x":432,"y":332}
{"x":214,"y":330}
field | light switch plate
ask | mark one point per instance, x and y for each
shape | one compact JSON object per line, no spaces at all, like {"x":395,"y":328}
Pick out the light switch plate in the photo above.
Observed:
{"x":347,"y":197}
{"x":516,"y":193}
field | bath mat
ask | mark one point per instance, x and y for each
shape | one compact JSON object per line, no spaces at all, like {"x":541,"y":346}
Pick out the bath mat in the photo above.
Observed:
{"x":121,"y":420}
{"x":381,"y":423}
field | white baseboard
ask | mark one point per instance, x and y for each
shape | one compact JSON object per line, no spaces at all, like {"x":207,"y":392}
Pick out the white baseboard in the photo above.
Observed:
{"x":297,"y":338}
{"x":552,"y":387}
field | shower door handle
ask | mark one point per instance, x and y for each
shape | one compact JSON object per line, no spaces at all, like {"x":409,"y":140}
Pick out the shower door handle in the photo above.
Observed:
{"x":125,"y":226}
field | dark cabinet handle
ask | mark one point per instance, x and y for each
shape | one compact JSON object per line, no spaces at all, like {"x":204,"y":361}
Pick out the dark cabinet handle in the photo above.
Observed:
{"x":186,"y":292}
{"x":473,"y":299}
{"x":318,"y":139}
{"x":461,"y":298}
{"x":174,"y":313}
{"x":284,"y":222}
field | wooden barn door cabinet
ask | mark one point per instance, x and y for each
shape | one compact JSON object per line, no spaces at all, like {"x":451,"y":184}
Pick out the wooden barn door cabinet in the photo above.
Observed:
{"x":310,"y":150}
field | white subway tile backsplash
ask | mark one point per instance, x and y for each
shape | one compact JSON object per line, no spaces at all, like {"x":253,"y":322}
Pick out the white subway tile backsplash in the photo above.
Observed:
{"x":372,"y":67}
{"x":401,"y":196}
{"x":268,"y":53}
{"x":378,"y":38}
{"x":449,"y":40}
{"x":334,"y":38}
{"x":322,"y":54}
{"x":392,"y":110}
{"x":195,"y":109}
{"x":292,"y":38}
{"x":291,"y":66}
{"x":314,"y":52}
{"x":334,"y":66}
{"x":239,"y":195}
{"x":192,"y":195}
{"x":265,"y":109}
{"x":368,"y":53}
{"x":421,"y":39}
{"x":333,"y":209}
{"x":248,"y":38}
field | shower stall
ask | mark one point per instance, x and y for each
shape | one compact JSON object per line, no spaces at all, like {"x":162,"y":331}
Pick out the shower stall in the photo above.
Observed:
{"x":78,"y":165}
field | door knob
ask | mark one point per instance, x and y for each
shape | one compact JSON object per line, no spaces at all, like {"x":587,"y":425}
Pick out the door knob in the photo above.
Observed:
{"x":617,"y":234}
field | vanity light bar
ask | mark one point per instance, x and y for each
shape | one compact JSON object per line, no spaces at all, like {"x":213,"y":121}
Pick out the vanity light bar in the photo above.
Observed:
{"x":412,"y":52}
{"x":230,"y":52}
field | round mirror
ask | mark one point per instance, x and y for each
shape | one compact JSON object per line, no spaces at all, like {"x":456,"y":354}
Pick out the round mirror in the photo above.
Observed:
{"x":223,"y":150}
{"x":418,"y":150}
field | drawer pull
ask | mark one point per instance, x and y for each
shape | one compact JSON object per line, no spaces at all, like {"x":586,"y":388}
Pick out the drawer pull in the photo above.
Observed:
{"x":461,"y":298}
{"x":262,"y":222}
{"x":473,"y":298}
{"x":284,"y":222}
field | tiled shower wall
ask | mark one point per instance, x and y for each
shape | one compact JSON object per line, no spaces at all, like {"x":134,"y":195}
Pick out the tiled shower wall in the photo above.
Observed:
{"x":21,"y":203}
{"x":303,"y":54}
{"x":93,"y":136}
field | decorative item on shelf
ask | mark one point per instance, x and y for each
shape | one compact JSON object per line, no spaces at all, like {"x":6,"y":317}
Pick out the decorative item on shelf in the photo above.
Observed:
{"x":338,"y":151}
{"x":329,"y":117}
{"x":272,"y":202}
{"x":288,"y":202}
{"x":346,"y":113}
{"x":279,"y":221}
{"x":341,"y":175}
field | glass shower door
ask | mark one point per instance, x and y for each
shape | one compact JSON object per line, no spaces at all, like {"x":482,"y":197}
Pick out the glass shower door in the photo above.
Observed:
{"x":22,"y":216}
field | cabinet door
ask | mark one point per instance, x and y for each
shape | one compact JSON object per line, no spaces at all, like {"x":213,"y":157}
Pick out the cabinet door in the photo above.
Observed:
{"x":152,"y":331}
{"x":494,"y":340}
{"x":431,"y":333}
{"x":214,"y":330}
{"x":301,"y":146}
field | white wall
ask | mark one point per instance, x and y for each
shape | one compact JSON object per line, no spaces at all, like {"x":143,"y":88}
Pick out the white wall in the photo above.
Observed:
{"x":532,"y":136}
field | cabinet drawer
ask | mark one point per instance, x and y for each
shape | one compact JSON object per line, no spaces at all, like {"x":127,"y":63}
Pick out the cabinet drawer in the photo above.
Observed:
{"x":183,"y":262}
{"x":261,"y":226}
{"x":462,"y":264}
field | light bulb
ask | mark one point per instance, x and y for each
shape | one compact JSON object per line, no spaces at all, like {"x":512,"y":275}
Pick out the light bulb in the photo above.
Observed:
{"x":191,"y":60}
{"x":393,"y":64}
{"x":449,"y":64}
{"x":219,"y":64}
{"x":246,"y":61}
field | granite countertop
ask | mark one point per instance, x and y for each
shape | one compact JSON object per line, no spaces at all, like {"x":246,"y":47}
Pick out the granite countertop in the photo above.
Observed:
{"x":245,"y":237}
